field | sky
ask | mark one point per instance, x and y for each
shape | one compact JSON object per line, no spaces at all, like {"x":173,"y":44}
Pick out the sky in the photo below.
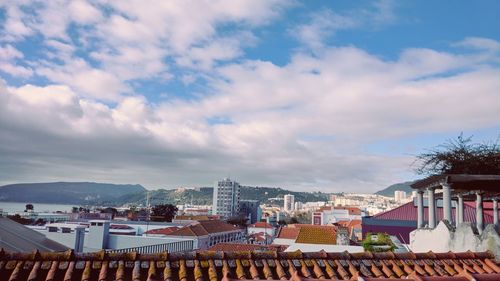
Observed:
{"x":306,"y":95}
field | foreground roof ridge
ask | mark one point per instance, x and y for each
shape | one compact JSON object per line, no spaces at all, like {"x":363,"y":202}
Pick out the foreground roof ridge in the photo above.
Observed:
{"x":207,"y":254}
{"x":248,"y":265}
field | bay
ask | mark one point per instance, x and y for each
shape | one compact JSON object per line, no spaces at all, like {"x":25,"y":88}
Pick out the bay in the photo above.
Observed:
{"x":14,"y":207}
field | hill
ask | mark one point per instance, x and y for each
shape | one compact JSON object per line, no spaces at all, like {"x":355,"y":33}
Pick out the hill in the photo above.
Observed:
{"x":389,"y":191}
{"x":90,"y":193}
{"x":67,"y":192}
{"x":203,"y":196}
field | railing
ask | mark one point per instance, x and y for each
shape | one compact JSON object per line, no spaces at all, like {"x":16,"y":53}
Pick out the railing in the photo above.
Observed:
{"x":170,"y":247}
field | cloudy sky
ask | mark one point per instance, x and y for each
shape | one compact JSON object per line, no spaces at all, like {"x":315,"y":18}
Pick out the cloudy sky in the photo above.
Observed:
{"x":307,"y":95}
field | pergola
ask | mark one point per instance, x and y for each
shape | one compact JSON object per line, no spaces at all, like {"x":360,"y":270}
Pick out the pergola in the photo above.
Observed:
{"x":457,"y":187}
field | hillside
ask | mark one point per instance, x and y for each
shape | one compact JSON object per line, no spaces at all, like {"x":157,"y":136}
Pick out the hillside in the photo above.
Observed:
{"x":67,"y":192}
{"x":203,"y":196}
{"x":89,"y":193}
{"x":389,"y":191}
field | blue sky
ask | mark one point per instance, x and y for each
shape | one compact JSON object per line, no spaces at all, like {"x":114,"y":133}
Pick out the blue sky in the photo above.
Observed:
{"x":328,"y":95}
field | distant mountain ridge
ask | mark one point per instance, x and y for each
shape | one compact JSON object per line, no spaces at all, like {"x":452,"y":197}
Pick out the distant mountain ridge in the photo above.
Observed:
{"x":389,"y":191}
{"x":67,"y":192}
{"x":91,"y":193}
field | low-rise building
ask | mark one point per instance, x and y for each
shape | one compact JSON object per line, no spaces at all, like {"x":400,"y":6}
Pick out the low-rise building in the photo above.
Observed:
{"x":329,"y":215}
{"x":208,"y":233}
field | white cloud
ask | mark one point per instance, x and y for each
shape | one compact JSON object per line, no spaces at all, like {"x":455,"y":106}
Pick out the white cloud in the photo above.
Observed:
{"x":324,"y":24}
{"x":8,"y":56}
{"x":84,"y":12}
{"x":84,"y":79}
{"x":302,"y":124}
{"x":480,"y":43}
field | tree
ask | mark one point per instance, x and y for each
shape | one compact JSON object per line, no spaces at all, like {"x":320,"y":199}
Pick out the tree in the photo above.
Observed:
{"x":461,"y":156}
{"x":163,"y":212}
{"x":239,"y":220}
{"x":29,"y":208}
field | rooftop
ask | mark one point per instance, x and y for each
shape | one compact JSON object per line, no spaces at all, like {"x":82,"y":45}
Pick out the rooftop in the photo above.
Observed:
{"x":17,"y":237}
{"x":245,"y":265}
{"x":162,"y":231}
{"x":317,"y":235}
{"x":408,"y":212}
{"x":238,"y":247}
{"x":261,"y":224}
{"x":204,"y":228}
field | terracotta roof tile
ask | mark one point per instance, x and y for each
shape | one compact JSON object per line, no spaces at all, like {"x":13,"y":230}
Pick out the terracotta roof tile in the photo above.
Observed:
{"x":243,"y":265}
{"x":288,"y":233}
{"x":261,"y":224}
{"x":317,"y":235}
{"x":203,"y":228}
{"x":164,"y":231}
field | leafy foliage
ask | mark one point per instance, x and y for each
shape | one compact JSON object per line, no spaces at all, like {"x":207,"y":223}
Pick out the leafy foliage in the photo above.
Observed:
{"x":461,"y":156}
{"x":383,"y":243}
{"x":163,"y":212}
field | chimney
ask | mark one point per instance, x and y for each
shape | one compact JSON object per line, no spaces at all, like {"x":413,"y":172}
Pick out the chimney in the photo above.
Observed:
{"x":79,"y":238}
{"x":98,"y":234}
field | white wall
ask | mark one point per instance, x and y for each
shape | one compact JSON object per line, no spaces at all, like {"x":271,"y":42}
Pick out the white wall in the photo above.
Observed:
{"x":462,"y":239}
{"x":128,"y":241}
{"x":268,"y":230}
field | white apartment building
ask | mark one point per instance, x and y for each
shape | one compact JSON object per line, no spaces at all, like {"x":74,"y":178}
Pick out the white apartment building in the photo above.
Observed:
{"x":226,"y":200}
{"x":399,"y":196}
{"x":289,"y":202}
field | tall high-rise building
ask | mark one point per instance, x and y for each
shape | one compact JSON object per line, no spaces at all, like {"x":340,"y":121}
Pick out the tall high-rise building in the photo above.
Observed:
{"x":289,"y":202}
{"x":226,"y":201}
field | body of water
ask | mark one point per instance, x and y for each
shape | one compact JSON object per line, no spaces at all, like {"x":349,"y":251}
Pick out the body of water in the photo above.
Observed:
{"x":14,"y":207}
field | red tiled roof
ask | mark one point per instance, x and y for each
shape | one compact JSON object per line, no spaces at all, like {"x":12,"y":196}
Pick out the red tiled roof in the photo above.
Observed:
{"x":163,"y":231}
{"x":350,"y":224}
{"x":261,"y":224}
{"x":248,"y":265}
{"x":408,"y":212}
{"x":288,"y":233}
{"x":216,"y":226}
{"x":204,"y":228}
{"x":191,"y":230}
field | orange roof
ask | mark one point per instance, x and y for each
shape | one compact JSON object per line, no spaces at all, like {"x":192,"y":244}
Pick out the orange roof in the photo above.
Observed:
{"x":350,"y":224}
{"x":204,"y":228}
{"x":248,"y":265}
{"x":261,"y":224}
{"x":163,"y":231}
{"x":317,"y":235}
{"x":215,"y":226}
{"x":352,"y":210}
{"x":288,"y":233}
{"x":191,"y":230}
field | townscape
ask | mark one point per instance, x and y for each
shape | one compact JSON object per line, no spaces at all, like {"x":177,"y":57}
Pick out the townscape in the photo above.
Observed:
{"x":223,"y":140}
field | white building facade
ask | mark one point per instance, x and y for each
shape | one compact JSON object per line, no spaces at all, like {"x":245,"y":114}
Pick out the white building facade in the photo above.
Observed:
{"x":289,"y":202}
{"x":399,"y":196}
{"x":226,"y":199}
